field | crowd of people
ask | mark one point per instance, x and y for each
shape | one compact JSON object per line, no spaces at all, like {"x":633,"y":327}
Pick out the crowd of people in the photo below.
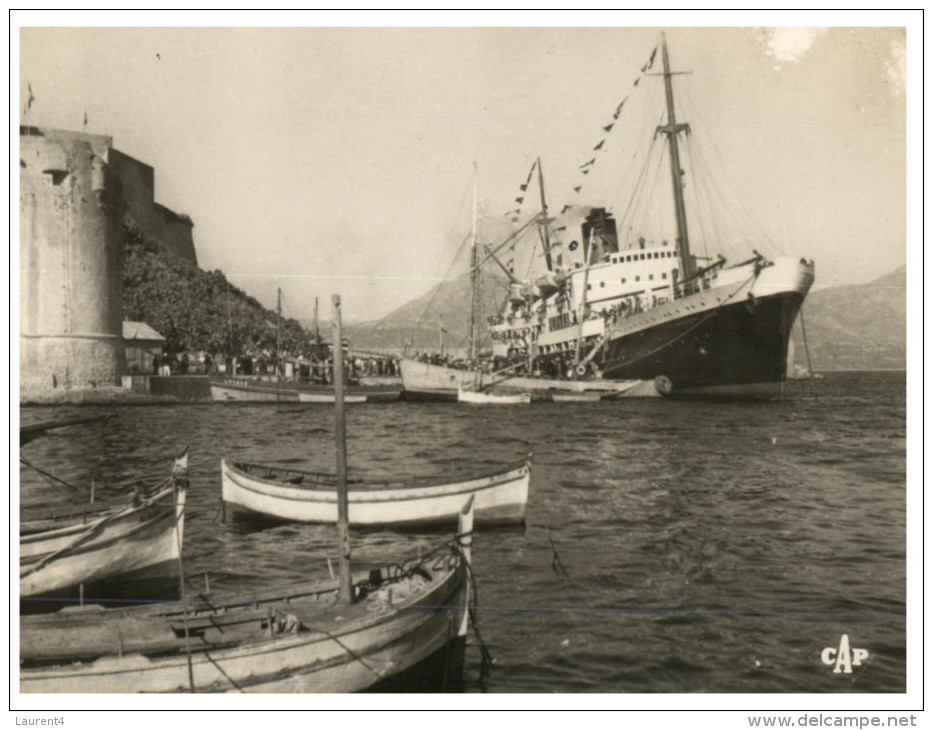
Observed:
{"x":314,"y":368}
{"x":558,"y":365}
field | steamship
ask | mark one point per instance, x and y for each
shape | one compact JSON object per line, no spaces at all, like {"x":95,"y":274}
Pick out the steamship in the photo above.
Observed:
{"x":645,"y":308}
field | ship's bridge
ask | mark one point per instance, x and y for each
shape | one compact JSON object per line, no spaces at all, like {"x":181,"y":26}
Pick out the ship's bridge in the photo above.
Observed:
{"x":641,"y":277}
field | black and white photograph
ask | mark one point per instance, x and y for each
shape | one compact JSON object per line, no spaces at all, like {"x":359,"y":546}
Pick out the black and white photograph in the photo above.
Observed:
{"x":472,"y":360}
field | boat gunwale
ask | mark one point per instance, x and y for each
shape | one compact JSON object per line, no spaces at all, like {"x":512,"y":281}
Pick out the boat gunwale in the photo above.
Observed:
{"x":294,"y":386}
{"x":446,"y":579}
{"x":479,"y":398}
{"x":111,"y":517}
{"x":93,"y":547}
{"x":369,"y":491}
{"x":36,"y":518}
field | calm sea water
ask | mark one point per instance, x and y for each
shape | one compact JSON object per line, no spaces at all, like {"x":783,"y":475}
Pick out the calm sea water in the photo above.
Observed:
{"x":705,"y":546}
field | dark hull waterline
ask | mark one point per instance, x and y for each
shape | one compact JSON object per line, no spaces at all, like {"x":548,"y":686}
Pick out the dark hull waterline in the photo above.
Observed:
{"x":736,"y":349}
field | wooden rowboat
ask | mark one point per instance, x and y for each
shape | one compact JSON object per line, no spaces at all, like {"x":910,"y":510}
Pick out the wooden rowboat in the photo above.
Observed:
{"x":258,"y":390}
{"x":362,"y":393}
{"x":283,"y":493}
{"x":568,"y":397}
{"x":329,"y":397}
{"x":251,"y":389}
{"x":141,"y":538}
{"x":353,"y":394}
{"x":483,"y":398}
{"x":423,"y":381}
{"x":296,"y":639}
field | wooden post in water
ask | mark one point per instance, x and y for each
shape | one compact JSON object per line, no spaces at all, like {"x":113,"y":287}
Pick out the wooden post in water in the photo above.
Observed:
{"x":345,"y":591}
{"x":465,"y":540}
{"x":180,"y":483}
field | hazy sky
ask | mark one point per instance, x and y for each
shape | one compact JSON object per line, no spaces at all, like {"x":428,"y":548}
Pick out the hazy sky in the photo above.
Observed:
{"x":340,"y":159}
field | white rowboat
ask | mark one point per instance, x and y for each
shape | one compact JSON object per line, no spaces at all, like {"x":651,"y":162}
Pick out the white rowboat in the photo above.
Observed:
{"x":482,"y":398}
{"x":307,"y":397}
{"x":140,"y":539}
{"x":281,"y":493}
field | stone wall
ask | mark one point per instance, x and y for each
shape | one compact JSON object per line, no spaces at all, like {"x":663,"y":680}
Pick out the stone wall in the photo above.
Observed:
{"x":75,"y":189}
{"x":173,"y":230}
{"x":177,"y":234}
{"x":137,"y":183}
{"x":71,"y":307}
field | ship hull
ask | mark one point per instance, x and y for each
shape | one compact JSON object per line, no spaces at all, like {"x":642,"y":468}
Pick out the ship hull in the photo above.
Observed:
{"x":254,"y":390}
{"x":423,"y":381}
{"x":715,"y":345}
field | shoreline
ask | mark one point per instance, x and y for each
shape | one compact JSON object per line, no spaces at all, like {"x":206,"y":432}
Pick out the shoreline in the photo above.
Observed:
{"x":860,"y":370}
{"x":103,"y":395}
{"x":118,"y":395}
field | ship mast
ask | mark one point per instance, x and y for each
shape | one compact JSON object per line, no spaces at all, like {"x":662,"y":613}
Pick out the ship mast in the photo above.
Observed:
{"x":278,"y":332}
{"x":544,"y":221}
{"x":474,"y":274}
{"x":671,"y":129}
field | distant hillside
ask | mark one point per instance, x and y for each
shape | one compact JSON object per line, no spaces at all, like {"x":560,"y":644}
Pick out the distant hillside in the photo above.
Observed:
{"x":853,"y":327}
{"x":860,"y":327}
{"x":446,"y":305}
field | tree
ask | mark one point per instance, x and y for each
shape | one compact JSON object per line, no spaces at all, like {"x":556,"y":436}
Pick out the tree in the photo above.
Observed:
{"x":195,"y":309}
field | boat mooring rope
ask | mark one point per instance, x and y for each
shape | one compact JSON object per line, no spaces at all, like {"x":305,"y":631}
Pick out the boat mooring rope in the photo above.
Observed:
{"x":50,"y":478}
{"x":486,"y":658}
{"x":806,"y":347}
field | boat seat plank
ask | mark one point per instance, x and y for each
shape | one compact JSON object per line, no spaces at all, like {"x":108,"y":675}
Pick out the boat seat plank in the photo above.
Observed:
{"x":104,"y":633}
{"x":87,"y":640}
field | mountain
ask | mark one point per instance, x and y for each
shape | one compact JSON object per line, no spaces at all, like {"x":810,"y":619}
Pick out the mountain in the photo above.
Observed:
{"x":861,"y":327}
{"x":418,"y":323}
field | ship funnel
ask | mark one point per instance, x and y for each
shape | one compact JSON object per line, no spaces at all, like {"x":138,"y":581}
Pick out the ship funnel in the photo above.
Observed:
{"x":599,"y":231}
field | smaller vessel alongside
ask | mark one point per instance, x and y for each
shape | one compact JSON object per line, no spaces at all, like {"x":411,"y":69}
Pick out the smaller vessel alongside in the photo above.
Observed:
{"x":306,"y":397}
{"x":264,"y":390}
{"x":424,"y":381}
{"x":569,"y":397}
{"x":232,"y":388}
{"x":77,"y":549}
{"x":480,"y":397}
{"x":352,"y":394}
{"x":284,"y":493}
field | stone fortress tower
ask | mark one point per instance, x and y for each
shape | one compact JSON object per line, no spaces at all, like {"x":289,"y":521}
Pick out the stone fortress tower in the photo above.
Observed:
{"x":71,"y":308}
{"x":75,"y":189}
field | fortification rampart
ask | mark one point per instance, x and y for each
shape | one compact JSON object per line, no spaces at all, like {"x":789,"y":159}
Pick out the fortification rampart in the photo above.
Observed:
{"x":75,"y":189}
{"x":173,"y":230}
{"x":71,"y":263}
